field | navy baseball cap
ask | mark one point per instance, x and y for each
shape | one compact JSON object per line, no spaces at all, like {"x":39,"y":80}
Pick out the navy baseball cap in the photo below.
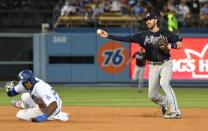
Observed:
{"x":150,"y":15}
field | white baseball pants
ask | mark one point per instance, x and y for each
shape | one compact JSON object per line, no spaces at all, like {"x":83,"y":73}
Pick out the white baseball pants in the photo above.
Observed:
{"x":32,"y":110}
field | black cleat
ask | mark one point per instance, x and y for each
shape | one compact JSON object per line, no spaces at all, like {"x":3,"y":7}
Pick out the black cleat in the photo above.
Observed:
{"x":164,"y":109}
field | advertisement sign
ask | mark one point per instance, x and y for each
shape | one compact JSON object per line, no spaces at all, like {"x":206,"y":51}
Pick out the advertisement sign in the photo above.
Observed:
{"x":189,"y":62}
{"x":112,"y":57}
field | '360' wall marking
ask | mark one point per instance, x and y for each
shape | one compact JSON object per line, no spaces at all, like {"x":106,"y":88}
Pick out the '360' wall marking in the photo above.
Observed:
{"x":112,"y":57}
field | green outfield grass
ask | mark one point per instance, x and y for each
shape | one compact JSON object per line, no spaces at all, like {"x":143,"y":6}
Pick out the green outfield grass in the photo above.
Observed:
{"x":119,"y":96}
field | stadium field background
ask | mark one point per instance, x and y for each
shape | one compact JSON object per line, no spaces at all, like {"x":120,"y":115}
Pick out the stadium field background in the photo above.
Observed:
{"x":119,"y":96}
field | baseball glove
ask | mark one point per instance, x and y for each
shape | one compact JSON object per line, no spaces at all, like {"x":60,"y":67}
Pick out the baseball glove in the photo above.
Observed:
{"x":163,"y":45}
{"x":10,"y":85}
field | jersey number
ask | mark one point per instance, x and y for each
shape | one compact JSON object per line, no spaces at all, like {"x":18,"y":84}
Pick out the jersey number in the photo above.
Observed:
{"x":54,"y":92}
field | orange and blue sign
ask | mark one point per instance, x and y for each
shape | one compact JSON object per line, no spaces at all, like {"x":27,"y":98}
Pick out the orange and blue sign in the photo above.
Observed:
{"x":112,"y":57}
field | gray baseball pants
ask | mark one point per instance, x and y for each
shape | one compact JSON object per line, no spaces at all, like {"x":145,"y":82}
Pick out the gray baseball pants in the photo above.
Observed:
{"x":160,"y":76}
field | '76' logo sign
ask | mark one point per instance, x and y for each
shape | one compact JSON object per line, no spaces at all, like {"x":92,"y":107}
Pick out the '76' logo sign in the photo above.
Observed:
{"x":112,"y":57}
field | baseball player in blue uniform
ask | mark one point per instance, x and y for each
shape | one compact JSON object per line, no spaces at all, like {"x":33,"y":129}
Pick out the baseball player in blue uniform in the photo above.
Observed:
{"x":158,"y":56}
{"x":39,"y":101}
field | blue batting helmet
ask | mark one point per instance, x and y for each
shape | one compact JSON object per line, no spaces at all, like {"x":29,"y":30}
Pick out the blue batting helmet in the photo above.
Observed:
{"x":27,"y":75}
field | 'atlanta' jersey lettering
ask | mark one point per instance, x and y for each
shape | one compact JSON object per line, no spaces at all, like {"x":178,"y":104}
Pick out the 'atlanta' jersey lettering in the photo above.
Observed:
{"x":148,"y":40}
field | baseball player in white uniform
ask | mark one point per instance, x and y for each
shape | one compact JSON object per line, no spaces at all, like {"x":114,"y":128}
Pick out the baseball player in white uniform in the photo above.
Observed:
{"x":39,"y":101}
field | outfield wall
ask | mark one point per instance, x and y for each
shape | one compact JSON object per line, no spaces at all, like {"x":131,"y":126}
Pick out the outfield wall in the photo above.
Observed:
{"x":80,"y":56}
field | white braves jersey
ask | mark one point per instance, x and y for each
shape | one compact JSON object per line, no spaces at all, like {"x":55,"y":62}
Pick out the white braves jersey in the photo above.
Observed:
{"x":41,"y":90}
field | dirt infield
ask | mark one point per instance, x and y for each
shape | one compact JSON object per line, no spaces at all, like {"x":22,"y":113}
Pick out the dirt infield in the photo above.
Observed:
{"x":109,"y":119}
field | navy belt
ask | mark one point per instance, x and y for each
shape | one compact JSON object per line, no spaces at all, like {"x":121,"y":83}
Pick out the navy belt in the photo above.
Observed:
{"x":158,"y":62}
